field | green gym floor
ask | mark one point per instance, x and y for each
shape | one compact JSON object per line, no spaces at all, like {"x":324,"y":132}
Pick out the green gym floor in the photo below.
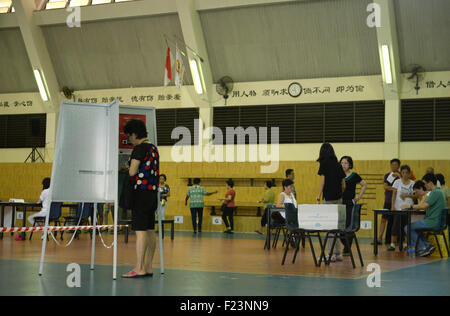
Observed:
{"x":202,"y":274}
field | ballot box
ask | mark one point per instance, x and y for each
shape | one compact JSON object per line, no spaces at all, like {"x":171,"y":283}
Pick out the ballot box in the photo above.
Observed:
{"x":321,"y":216}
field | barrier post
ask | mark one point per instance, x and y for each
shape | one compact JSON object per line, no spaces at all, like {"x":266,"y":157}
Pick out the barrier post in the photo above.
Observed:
{"x":94,"y":223}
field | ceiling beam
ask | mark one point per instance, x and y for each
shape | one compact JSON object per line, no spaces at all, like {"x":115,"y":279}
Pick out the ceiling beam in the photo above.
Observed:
{"x":8,"y":20}
{"x":202,"y":5}
{"x":37,"y":51}
{"x":193,"y":38}
{"x":387,"y":35}
{"x":110,"y":11}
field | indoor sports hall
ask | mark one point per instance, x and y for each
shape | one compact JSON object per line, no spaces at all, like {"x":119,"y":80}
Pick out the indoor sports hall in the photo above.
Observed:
{"x":224,"y":148}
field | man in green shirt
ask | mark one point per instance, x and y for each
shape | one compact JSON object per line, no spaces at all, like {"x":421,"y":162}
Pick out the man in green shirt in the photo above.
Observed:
{"x":269,"y":198}
{"x":196,"y":204}
{"x":433,"y":205}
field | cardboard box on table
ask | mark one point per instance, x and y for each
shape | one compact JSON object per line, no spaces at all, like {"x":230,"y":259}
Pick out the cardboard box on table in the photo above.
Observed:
{"x":322,"y":216}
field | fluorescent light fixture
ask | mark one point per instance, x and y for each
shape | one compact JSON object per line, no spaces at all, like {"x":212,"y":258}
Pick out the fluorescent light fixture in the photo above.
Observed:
{"x":386,"y":64}
{"x":196,"y":76}
{"x":41,"y":86}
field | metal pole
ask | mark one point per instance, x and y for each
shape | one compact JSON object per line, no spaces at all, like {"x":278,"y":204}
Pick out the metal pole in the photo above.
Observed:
{"x":161,"y":248}
{"x":94,"y":223}
{"x":44,"y":240}
{"x":116,"y":212}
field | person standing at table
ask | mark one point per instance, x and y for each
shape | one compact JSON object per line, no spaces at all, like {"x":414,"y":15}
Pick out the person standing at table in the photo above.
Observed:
{"x":387,"y":220}
{"x":144,"y":176}
{"x":332,"y":186}
{"x":445,"y":189}
{"x":433,"y":205}
{"x":228,"y":207}
{"x":349,"y":197}
{"x":196,"y":204}
{"x":44,"y":199}
{"x":269,"y":198}
{"x":164,"y":191}
{"x":402,"y":192}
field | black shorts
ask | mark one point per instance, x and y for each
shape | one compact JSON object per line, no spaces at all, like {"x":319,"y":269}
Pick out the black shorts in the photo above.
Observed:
{"x":388,"y":207}
{"x":143,"y":211}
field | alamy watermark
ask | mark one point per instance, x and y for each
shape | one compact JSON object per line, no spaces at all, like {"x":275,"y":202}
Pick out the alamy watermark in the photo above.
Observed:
{"x":74,"y":278}
{"x":374,"y":279}
{"x":218,"y":148}
{"x":74,"y":18}
{"x":374,"y":18}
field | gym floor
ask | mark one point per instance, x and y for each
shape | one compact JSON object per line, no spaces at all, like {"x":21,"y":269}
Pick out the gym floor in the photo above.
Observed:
{"x":213,"y":264}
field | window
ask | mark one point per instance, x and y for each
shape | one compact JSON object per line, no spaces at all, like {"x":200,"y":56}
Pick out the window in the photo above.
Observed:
{"x":309,"y":123}
{"x":94,"y":2}
{"x":22,"y":131}
{"x":6,"y":6}
{"x":425,"y":120}
{"x":56,"y":4}
{"x":168,"y":119}
{"x":78,"y":3}
{"x":60,"y":4}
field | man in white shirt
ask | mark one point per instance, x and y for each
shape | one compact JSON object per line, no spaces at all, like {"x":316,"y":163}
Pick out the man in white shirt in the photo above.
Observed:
{"x":44,"y":199}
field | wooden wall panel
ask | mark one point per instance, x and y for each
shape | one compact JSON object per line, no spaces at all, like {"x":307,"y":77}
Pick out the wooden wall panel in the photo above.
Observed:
{"x":19,"y":180}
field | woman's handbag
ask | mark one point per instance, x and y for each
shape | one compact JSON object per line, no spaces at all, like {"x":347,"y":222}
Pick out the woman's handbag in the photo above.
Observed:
{"x":126,"y":197}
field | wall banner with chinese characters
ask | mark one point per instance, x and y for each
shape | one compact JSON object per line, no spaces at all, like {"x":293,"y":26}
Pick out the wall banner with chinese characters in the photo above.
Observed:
{"x":367,"y":88}
{"x":21,"y":103}
{"x":307,"y":91}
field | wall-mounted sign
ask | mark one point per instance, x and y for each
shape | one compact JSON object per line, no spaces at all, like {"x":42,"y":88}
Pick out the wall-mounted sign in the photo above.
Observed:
{"x":123,"y":119}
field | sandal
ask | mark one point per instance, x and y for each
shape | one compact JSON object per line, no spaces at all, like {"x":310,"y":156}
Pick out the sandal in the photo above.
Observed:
{"x":133,"y":275}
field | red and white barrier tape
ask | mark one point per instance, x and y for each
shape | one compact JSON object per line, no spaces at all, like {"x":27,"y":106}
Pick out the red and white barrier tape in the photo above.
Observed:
{"x":52,"y":228}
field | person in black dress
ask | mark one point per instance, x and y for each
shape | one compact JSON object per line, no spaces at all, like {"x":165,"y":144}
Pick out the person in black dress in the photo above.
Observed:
{"x":349,"y":197}
{"x":332,"y":185}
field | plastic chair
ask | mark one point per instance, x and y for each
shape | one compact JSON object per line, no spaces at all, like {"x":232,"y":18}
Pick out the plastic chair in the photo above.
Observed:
{"x":295,"y":233}
{"x":277,"y":225}
{"x":83,"y":212}
{"x":54,"y":216}
{"x":349,"y":234}
{"x":440,"y":231}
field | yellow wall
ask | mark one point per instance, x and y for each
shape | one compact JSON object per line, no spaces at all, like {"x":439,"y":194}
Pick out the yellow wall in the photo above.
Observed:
{"x":19,"y":180}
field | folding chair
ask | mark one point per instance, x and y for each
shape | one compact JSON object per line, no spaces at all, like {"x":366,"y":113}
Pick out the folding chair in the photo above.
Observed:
{"x":54,"y":216}
{"x":349,"y":234}
{"x":278,"y":226}
{"x":440,"y":231}
{"x":82,"y":216}
{"x":295,"y":233}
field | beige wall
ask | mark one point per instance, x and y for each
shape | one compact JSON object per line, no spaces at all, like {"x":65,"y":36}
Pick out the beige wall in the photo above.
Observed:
{"x":373,"y":90}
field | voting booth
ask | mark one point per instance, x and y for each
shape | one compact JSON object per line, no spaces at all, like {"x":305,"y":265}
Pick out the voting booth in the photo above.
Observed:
{"x":322,"y":216}
{"x":86,"y":161}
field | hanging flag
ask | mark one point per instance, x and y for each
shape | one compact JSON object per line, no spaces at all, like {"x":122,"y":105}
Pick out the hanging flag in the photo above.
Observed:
{"x":179,"y":70}
{"x":168,"y":71}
